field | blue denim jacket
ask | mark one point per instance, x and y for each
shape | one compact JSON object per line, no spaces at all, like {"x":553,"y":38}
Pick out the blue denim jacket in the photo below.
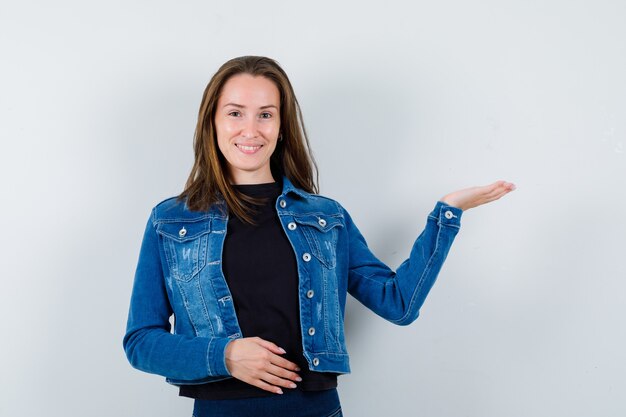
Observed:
{"x":179,"y":273}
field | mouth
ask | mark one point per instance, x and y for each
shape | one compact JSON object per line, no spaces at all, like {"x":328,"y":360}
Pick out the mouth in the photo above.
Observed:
{"x":248,"y":149}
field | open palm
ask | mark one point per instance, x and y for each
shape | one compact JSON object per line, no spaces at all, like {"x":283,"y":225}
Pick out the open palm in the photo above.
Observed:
{"x":471,"y":197}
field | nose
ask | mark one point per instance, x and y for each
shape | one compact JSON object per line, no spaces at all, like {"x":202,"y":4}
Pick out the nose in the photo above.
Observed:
{"x":249,"y":128}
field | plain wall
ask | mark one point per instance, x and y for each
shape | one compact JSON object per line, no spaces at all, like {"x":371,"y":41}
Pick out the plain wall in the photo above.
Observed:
{"x":404,"y":102}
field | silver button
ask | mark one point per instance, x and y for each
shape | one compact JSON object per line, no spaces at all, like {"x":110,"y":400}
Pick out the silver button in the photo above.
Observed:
{"x":291,"y":226}
{"x":322,"y":222}
{"x":182,"y":232}
{"x":448,"y":214}
{"x":316,"y":361}
{"x":283,"y":203}
{"x":311,"y":331}
{"x":306,"y":257}
{"x":310,"y":293}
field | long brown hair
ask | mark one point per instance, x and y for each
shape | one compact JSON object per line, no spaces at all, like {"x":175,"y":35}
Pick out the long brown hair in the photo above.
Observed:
{"x":208,"y":181}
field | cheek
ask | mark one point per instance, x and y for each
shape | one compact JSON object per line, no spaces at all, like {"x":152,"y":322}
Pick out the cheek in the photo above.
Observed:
{"x":224,"y":132}
{"x":222,"y":140}
{"x":271,"y":129}
{"x":223,"y":129}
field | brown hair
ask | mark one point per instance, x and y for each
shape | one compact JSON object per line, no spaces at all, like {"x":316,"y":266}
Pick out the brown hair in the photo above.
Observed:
{"x":208,"y":181}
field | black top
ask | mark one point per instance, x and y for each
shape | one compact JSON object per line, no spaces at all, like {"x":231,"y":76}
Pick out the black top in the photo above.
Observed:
{"x":261,"y":272}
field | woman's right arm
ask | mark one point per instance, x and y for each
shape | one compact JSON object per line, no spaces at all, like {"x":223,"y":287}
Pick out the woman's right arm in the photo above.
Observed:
{"x":149,"y":344}
{"x":151,"y":347}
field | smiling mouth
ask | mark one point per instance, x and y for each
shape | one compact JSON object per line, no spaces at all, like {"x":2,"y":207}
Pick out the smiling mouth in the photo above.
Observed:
{"x":248,"y":149}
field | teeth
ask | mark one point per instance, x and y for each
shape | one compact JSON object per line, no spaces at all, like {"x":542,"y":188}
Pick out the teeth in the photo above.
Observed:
{"x":248,"y":148}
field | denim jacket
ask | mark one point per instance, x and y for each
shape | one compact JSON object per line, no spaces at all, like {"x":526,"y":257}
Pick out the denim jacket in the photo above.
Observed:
{"x":179,"y":274}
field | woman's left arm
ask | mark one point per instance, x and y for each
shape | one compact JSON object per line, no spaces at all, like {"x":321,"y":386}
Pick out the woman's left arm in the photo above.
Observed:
{"x":398,"y":296}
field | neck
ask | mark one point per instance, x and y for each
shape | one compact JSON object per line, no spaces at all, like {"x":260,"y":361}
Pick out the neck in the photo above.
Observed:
{"x":243,"y":178}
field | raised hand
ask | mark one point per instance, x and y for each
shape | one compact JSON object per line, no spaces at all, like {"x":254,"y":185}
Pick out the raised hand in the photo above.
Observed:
{"x":468,"y":198}
{"x":257,"y":362}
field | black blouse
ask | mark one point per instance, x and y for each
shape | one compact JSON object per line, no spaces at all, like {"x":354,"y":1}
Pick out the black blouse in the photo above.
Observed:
{"x":261,"y":272}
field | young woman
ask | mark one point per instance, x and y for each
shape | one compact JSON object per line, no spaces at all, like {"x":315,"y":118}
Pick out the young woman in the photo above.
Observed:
{"x":254,"y":266}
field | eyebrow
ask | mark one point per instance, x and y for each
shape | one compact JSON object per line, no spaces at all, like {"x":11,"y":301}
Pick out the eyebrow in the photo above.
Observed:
{"x":243,"y":107}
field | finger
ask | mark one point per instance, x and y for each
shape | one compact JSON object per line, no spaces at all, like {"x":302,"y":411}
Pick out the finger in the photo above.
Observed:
{"x":283,"y":373}
{"x":497,"y":196}
{"x":265,"y":386}
{"x":506,"y":188}
{"x":500,"y":189}
{"x":284,"y":363}
{"x":493,"y":195}
{"x":505,"y":185}
{"x":278,"y":382}
{"x":486,"y":189}
{"x":497,"y":185}
{"x":272,"y":347}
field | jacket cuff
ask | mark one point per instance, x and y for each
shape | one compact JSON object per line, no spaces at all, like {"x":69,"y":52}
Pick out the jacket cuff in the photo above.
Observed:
{"x":446,"y":215}
{"x":216,"y":356}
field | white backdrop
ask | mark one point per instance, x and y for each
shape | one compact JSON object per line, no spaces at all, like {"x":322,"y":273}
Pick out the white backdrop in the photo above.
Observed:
{"x":404,"y":102}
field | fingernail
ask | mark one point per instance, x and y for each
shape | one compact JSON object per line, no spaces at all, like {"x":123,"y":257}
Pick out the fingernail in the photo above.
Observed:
{"x":293,"y":385}
{"x":279,"y":391}
{"x":297,"y":369}
{"x":282,"y":350}
{"x":299,"y":379}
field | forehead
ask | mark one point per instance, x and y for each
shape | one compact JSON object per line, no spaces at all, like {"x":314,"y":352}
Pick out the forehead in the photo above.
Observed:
{"x":249,"y":90}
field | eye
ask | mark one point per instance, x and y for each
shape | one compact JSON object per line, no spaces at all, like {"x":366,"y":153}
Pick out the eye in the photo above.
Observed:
{"x":234,"y":113}
{"x":266,"y":115}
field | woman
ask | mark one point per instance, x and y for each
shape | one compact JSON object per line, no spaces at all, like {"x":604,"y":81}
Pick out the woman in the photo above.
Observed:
{"x":255,"y":267}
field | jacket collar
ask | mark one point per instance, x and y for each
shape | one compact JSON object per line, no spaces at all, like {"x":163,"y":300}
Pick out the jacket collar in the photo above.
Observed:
{"x":288,"y":187}
{"x":219,"y":208}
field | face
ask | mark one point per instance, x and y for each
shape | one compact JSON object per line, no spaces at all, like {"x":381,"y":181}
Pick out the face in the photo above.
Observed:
{"x":247,"y":123}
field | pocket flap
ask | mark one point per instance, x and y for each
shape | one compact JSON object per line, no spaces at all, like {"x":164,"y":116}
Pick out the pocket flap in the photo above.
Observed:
{"x":184,"y":231}
{"x":321,"y":222}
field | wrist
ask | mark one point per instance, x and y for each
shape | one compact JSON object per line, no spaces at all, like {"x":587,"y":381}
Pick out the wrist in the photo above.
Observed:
{"x":451,"y":202}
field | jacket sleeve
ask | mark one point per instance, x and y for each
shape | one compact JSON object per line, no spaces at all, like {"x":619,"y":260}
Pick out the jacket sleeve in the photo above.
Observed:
{"x":148,"y":343}
{"x":398,"y":296}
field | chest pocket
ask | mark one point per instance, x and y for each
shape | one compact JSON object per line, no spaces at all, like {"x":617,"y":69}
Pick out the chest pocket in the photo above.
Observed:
{"x":321,"y":232}
{"x":185,"y":246}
